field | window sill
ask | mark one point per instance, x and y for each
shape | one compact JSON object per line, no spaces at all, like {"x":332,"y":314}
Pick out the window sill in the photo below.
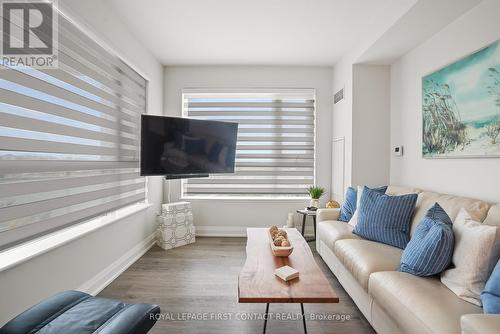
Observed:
{"x":16,"y":255}
{"x":245,"y":199}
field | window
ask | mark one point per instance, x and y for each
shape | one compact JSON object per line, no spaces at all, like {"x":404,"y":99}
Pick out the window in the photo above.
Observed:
{"x":68,"y":139}
{"x":276,"y":138}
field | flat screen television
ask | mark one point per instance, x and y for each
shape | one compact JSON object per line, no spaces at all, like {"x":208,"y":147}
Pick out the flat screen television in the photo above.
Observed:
{"x":183,"y":147}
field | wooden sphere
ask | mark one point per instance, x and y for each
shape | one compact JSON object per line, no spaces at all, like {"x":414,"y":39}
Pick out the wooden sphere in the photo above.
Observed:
{"x":282,"y":233}
{"x":278,"y":241}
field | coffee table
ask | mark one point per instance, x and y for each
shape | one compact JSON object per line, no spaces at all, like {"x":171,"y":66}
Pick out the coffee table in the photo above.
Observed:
{"x":258,"y":284}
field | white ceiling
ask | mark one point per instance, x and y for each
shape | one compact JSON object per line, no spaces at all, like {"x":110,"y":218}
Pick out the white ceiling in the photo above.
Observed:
{"x":252,"y":32}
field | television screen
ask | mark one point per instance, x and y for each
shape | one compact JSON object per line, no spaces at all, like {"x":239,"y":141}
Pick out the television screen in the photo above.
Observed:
{"x":185,"y":147}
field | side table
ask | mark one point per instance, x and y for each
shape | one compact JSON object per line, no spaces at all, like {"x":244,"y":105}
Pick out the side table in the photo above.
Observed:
{"x":175,"y":225}
{"x":308,"y":213}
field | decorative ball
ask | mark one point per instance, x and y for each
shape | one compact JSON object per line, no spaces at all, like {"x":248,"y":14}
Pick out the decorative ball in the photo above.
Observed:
{"x":285,"y":243}
{"x":282,"y":233}
{"x":332,"y":205}
{"x":274,"y":234}
{"x":278,"y":241}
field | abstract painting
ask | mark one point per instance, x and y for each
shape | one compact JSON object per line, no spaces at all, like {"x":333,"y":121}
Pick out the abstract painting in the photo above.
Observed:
{"x":461,"y":107}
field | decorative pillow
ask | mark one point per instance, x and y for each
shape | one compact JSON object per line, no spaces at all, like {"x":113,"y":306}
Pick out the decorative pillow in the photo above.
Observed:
{"x":430,"y":248}
{"x":490,"y":297}
{"x":349,"y":205}
{"x":476,"y":252}
{"x":354,"y":220}
{"x":385,"y":218}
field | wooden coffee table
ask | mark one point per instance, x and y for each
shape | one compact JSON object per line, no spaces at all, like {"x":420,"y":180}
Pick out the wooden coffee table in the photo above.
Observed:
{"x":258,"y":284}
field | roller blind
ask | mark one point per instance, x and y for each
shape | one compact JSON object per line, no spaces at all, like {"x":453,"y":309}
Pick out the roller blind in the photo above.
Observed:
{"x":276,"y":141}
{"x":68,"y":139}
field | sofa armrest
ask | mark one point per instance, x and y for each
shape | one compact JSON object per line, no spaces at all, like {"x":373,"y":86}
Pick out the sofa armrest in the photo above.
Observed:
{"x":44,"y":312}
{"x":136,"y":319}
{"x":480,"y":323}
{"x":327,"y":214}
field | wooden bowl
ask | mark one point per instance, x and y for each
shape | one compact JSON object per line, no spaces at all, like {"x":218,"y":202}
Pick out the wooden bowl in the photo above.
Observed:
{"x":278,"y":250}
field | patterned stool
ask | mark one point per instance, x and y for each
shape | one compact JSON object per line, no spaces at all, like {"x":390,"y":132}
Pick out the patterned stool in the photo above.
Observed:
{"x":175,"y":225}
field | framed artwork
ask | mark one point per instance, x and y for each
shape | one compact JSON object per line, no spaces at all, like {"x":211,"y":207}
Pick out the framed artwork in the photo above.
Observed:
{"x":461,"y":107}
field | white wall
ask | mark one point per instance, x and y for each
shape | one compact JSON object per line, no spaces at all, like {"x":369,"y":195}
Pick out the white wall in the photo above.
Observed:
{"x":230,"y":217}
{"x":370,"y":124}
{"x":345,"y":122}
{"x":342,"y":122}
{"x":479,"y":178}
{"x":78,"y":262}
{"x":362,"y":119}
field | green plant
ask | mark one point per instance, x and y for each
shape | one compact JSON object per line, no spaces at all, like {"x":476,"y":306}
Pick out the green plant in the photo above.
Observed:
{"x":315,"y":192}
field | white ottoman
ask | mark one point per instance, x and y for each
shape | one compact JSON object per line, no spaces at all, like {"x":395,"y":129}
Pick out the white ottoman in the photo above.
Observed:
{"x":175,"y":225}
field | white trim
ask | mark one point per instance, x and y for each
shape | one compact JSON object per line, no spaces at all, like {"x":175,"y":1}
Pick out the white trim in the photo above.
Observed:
{"x":194,"y":198}
{"x":237,"y":231}
{"x":221,"y":231}
{"x":16,"y":255}
{"x":97,"y":283}
{"x":247,"y":90}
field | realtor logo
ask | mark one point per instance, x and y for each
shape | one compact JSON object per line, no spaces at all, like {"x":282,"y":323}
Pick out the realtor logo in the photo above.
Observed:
{"x":29,"y":33}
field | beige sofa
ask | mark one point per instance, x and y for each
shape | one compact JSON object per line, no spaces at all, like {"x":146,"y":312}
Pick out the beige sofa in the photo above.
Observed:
{"x":396,"y":302}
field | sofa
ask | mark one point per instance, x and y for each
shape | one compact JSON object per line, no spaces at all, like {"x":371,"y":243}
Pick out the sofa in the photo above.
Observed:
{"x":397,"y":302}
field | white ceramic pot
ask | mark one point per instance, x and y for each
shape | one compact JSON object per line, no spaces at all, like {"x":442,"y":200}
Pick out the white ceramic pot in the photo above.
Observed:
{"x":314,"y":203}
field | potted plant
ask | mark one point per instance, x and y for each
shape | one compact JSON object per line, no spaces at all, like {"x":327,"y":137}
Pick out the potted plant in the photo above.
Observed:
{"x":315,"y":193}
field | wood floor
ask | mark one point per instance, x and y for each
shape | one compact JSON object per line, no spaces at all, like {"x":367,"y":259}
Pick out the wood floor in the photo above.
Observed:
{"x":201,"y":280}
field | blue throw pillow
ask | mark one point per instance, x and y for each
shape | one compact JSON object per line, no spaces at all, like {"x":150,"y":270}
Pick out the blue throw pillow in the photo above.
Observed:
{"x":490,"y":297}
{"x":349,"y":205}
{"x":385,"y":218}
{"x":351,"y":202}
{"x":430,"y":248}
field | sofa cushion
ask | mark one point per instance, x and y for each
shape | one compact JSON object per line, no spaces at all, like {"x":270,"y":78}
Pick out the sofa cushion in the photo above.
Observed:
{"x":385,"y":218}
{"x":363,"y":257}
{"x":476,"y":253}
{"x":401,"y":190}
{"x":490,"y":297}
{"x":430,"y":248}
{"x":419,"y":305}
{"x":493,"y":217}
{"x":451,"y":204}
{"x":329,"y":231}
{"x":480,"y":323}
{"x":349,"y":205}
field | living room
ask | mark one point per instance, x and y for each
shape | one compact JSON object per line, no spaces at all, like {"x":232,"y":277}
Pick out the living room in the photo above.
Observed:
{"x":398,"y":96}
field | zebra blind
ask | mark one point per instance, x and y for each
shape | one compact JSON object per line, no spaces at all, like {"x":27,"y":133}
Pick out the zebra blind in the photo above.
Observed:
{"x":276,"y":138}
{"x":68,"y":139}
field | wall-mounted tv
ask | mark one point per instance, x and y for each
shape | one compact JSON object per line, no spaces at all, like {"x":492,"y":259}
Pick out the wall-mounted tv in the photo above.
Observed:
{"x":183,"y":147}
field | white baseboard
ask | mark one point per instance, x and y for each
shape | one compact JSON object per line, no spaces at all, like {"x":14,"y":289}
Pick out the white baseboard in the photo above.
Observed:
{"x":97,"y":283}
{"x":231,"y":231}
{"x":221,"y":231}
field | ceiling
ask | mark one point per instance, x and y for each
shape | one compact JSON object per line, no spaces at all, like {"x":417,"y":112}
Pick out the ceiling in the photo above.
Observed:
{"x":252,"y":32}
